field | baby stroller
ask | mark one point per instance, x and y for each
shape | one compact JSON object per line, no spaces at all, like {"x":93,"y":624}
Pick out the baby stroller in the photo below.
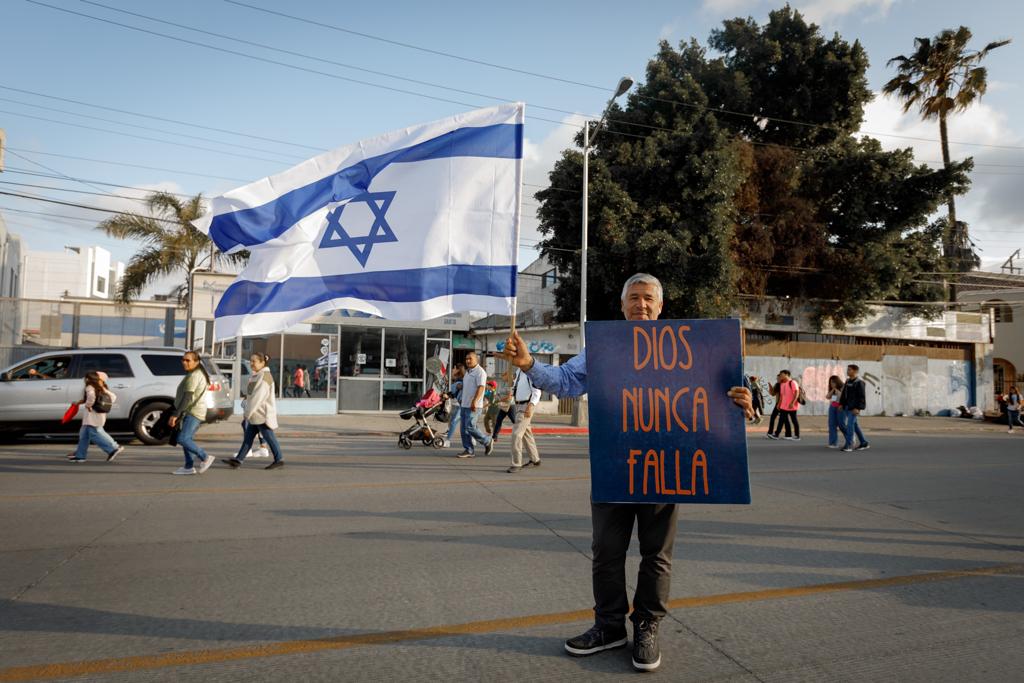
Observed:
{"x":425,"y":408}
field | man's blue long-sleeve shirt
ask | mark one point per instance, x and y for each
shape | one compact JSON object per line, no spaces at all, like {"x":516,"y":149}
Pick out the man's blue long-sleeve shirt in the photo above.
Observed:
{"x":565,"y":381}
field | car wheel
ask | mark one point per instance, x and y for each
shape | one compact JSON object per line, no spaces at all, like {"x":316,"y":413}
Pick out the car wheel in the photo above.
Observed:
{"x":144,"y":419}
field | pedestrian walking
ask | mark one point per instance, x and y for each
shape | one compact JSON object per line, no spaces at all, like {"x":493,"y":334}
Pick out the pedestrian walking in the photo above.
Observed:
{"x":473,"y":386}
{"x":97,"y":400}
{"x":613,"y":522}
{"x":758,"y":400}
{"x":491,"y":407}
{"x":1013,"y":403}
{"x":506,"y":409}
{"x":305,"y":380}
{"x":789,"y":403}
{"x":773,"y":391}
{"x":454,"y":398}
{"x":832,"y":394}
{"x":526,"y":397}
{"x":297,"y":382}
{"x":852,"y":400}
{"x":190,"y":412}
{"x":260,"y":411}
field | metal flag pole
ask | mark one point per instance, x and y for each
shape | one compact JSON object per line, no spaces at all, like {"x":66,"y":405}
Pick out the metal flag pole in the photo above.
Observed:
{"x":515,"y":244}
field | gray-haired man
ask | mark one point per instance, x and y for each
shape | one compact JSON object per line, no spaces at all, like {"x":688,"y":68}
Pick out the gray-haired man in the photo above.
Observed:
{"x":613,"y":522}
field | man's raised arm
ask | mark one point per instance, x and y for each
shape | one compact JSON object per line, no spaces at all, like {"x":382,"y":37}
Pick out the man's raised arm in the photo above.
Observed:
{"x":565,"y":381}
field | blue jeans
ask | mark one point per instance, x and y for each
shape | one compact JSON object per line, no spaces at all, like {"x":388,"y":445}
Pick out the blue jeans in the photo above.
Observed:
{"x":249,"y":436}
{"x":186,"y":439}
{"x":834,"y":424}
{"x":502,"y":414}
{"x":1013,"y":417}
{"x":454,"y":422}
{"x":470,"y":429}
{"x":850,"y":427}
{"x":96,"y":435}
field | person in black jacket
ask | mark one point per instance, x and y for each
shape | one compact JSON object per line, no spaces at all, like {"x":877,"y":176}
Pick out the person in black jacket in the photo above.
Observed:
{"x":852,"y":400}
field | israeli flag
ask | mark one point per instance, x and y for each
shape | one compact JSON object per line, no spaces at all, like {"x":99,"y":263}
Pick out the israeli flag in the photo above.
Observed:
{"x":410,"y":225}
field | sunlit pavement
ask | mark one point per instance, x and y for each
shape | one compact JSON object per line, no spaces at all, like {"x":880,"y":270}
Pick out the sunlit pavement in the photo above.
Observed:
{"x":358,"y":561}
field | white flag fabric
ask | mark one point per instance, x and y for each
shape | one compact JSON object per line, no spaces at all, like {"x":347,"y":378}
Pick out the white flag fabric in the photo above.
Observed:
{"x":410,"y":225}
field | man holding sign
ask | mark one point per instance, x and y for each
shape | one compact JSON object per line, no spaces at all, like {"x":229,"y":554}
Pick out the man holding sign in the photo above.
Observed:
{"x":613,"y":521}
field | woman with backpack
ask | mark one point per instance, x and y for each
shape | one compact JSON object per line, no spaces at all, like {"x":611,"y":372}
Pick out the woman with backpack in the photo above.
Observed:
{"x":260,"y":411}
{"x":190,"y":412}
{"x":97,"y":401}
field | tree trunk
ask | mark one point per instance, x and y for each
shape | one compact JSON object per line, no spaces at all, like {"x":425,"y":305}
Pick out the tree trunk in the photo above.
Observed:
{"x":951,"y":240}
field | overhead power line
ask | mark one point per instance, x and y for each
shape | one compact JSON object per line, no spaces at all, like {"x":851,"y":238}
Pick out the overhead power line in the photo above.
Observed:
{"x":130,"y":165}
{"x":592,"y":86}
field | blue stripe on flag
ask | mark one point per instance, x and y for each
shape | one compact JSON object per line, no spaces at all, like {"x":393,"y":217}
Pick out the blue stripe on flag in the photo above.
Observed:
{"x":401,"y":286}
{"x":259,"y":224}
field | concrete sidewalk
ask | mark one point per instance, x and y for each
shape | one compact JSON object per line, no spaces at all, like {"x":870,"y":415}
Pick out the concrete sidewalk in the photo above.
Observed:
{"x":560,"y":425}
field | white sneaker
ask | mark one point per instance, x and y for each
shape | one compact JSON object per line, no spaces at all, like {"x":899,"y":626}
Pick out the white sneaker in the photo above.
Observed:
{"x":185,"y":470}
{"x":447,"y":443}
{"x":260,"y":452}
{"x":205,"y":464}
{"x":833,"y":445}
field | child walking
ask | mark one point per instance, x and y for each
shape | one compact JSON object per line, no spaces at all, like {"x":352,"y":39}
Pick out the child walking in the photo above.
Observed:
{"x":97,"y":401}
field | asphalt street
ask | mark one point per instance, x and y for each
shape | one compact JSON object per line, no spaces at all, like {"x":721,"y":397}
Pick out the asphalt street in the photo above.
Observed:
{"x":361,"y":562}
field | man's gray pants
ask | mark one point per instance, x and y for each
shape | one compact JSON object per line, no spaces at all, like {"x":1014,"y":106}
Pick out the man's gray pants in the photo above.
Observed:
{"x":613,"y":529}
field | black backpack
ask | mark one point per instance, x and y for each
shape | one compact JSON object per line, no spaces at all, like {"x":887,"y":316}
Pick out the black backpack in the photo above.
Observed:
{"x":103,"y":402}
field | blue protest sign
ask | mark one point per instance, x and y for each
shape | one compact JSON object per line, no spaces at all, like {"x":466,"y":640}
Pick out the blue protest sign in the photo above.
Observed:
{"x":662,"y":429}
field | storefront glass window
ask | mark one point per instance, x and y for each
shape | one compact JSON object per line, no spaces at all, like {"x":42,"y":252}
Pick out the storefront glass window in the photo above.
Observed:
{"x":401,"y":395}
{"x":403,"y":353}
{"x":440,"y":349}
{"x":301,"y":353}
{"x":360,"y":352}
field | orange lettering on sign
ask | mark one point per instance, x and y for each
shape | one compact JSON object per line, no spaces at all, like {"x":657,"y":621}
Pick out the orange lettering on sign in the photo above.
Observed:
{"x":639,"y":332}
{"x":651,"y":463}
{"x":700,"y":399}
{"x":689,"y":353}
{"x":633,"y":461}
{"x":700,"y":460}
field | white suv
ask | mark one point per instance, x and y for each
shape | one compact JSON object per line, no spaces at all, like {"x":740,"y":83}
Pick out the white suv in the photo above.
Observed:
{"x":35,"y":393}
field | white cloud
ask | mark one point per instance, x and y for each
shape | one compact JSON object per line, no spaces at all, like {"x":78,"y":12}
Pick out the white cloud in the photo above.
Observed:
{"x":817,"y":11}
{"x":994,"y":206}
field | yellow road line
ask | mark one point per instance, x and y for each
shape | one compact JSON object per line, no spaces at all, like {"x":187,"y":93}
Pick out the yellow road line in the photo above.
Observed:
{"x":272,"y":489}
{"x":296,"y":647}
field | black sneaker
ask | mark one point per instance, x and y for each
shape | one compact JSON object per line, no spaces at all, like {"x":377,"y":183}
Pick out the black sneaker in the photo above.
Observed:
{"x":596,"y":640}
{"x":234,"y":462}
{"x":530,"y":463}
{"x":646,"y":653}
{"x":771,"y":436}
{"x":863,"y":447}
{"x":274,"y":465}
{"x":489,"y":448}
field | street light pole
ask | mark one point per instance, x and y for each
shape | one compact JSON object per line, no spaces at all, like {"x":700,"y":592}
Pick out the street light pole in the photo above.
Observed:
{"x":625,"y":83}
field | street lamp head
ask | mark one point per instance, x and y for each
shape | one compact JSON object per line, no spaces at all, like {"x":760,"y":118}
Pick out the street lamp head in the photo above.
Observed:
{"x":625,"y":83}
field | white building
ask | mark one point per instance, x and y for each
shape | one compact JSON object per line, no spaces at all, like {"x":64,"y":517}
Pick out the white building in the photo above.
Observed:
{"x":77,"y":272}
{"x":10,"y":262}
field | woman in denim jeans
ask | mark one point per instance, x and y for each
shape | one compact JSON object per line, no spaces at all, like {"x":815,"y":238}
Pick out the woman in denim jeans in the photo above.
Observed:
{"x":190,"y":412}
{"x":835,"y":390}
{"x":92,"y":422}
{"x":260,"y":411}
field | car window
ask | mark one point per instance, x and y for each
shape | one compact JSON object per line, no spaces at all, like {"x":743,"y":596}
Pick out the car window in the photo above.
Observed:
{"x":163,"y":365}
{"x":114,"y":364}
{"x":52,"y":367}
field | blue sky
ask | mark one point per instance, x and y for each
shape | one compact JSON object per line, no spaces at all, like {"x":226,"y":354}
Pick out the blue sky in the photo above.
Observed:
{"x":61,"y":55}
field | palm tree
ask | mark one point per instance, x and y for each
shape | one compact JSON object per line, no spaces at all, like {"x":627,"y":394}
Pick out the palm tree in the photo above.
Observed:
{"x":171,"y":244}
{"x":943,"y":77}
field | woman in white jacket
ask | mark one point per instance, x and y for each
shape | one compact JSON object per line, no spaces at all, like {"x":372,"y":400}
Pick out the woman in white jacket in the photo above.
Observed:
{"x":260,"y":411}
{"x":93,"y":420}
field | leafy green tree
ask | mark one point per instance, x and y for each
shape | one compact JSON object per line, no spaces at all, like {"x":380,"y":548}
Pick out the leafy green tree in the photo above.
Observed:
{"x":661,"y":202}
{"x":739,"y":174}
{"x":941,"y":77}
{"x":170,"y":244}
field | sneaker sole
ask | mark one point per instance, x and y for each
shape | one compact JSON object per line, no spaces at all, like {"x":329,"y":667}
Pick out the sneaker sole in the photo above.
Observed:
{"x":640,"y":666}
{"x":575,"y":652}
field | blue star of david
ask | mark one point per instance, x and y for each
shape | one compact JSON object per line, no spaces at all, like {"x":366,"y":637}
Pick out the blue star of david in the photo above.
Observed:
{"x":380,"y":232}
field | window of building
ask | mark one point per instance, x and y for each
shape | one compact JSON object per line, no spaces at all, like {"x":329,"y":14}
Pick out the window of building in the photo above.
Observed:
{"x":549,"y":279}
{"x":101,"y":285}
{"x":1003,"y":311}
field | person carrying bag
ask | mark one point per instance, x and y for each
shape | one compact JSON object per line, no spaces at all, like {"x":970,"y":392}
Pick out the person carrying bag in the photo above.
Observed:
{"x":260,"y":411}
{"x":189,"y":413}
{"x":97,"y":401}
